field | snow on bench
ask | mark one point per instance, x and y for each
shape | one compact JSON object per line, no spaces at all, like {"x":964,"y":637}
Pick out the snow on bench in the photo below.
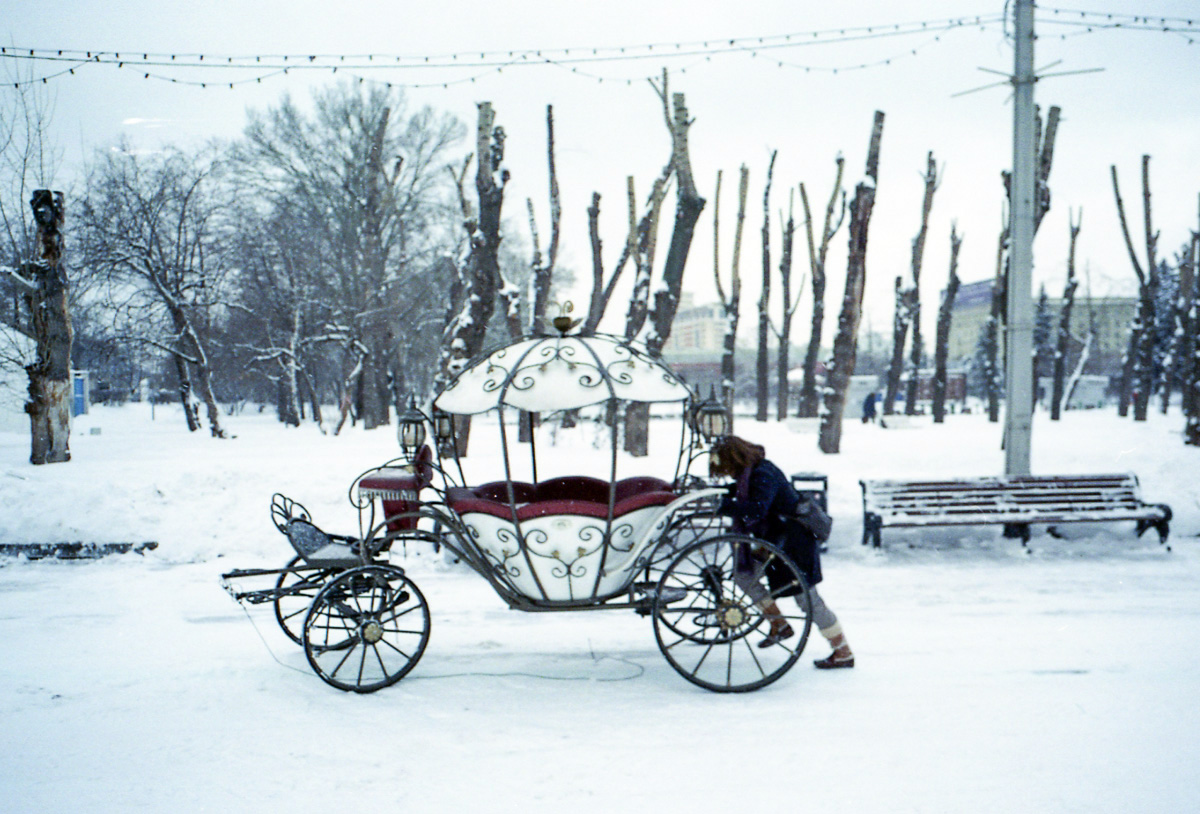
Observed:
{"x":1016,"y":502}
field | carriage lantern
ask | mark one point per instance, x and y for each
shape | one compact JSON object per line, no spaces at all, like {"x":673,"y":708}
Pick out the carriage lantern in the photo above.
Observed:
{"x":443,"y":426}
{"x":711,"y":417}
{"x":411,"y":428}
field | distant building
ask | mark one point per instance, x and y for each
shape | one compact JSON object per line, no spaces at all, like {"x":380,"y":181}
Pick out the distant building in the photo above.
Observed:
{"x":1110,"y":317}
{"x":697,"y":340}
{"x":697,"y":328}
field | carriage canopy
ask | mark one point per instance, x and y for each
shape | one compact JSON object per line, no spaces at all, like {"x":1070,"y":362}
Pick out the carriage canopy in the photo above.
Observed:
{"x":544,"y":374}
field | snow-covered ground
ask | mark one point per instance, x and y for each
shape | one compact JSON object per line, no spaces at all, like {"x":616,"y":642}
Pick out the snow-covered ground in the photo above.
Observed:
{"x":988,"y":679}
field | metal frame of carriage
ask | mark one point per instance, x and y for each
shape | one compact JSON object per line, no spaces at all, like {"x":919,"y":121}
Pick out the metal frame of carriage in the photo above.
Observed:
{"x":569,"y":543}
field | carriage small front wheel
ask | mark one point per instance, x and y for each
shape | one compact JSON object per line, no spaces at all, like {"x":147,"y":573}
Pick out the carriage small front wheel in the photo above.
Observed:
{"x":295,"y":590}
{"x":709,"y":619}
{"x":366,"y":629}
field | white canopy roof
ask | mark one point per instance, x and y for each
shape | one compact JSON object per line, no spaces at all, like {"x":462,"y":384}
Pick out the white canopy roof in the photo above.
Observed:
{"x":561,"y":373}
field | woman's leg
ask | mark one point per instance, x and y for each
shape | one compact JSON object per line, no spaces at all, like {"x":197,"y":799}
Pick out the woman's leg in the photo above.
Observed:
{"x":749,"y":578}
{"x":827,"y":622}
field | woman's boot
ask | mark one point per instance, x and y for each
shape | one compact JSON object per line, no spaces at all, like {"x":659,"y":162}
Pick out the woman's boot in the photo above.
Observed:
{"x":841,"y":655}
{"x":780,"y":629}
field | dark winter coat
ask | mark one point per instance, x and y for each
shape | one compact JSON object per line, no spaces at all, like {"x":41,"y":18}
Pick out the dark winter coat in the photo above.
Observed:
{"x":764,"y":504}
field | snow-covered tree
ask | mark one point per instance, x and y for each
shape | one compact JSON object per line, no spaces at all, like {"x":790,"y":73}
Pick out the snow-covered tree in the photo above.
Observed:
{"x":150,"y":226}
{"x":365,"y":181}
{"x":845,"y":342}
{"x":809,"y":397}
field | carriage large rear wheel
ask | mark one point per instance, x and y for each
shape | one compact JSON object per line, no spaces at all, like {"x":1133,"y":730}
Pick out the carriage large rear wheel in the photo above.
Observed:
{"x":711,"y":635}
{"x":366,"y":629}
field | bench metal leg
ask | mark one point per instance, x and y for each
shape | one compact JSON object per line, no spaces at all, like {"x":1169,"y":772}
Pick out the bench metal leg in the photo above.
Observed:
{"x":872,"y":529}
{"x":1162,"y":526}
{"x":1014,"y":530}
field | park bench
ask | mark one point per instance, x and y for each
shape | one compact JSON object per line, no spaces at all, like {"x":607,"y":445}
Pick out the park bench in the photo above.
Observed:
{"x":1014,"y":502}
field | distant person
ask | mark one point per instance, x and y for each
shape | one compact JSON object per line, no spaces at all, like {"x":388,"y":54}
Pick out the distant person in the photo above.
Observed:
{"x":868,"y":406}
{"x":763,"y":503}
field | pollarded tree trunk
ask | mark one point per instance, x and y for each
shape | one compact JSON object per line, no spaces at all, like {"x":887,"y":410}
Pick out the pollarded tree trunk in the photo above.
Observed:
{"x":467,"y":330}
{"x":784,"y":333}
{"x":918,"y":253}
{"x":49,"y":405}
{"x":1138,"y":370}
{"x":1191,"y":344}
{"x":809,"y":398}
{"x":993,"y":380}
{"x":993,"y":383}
{"x":900,"y":321}
{"x":762,"y":366}
{"x":541,"y":271}
{"x":942,"y":343}
{"x":845,"y":344}
{"x":688,"y":206}
{"x":731,"y":304}
{"x":1063,"y":338}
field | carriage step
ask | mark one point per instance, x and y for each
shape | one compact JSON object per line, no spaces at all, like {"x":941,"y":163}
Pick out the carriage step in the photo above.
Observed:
{"x":645,"y":594}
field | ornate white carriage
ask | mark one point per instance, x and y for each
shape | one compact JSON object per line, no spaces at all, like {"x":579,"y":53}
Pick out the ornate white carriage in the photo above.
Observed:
{"x":571,"y":542}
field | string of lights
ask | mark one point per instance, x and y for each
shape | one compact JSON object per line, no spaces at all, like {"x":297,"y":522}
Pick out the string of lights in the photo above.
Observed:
{"x":579,"y":61}
{"x":1151,"y":22}
{"x":484,"y":63}
{"x":1091,"y":22}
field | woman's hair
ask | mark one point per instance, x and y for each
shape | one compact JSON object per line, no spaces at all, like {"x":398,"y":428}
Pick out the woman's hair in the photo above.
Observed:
{"x":731,"y":454}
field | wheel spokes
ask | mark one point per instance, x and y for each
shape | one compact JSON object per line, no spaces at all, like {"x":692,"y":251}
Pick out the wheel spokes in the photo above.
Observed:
{"x":707,"y":638}
{"x":361,"y":611}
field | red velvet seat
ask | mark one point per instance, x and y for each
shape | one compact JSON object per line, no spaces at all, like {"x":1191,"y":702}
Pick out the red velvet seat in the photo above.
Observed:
{"x":573,"y":487}
{"x":572,"y":495}
{"x":399,"y":489}
{"x":628,"y":487}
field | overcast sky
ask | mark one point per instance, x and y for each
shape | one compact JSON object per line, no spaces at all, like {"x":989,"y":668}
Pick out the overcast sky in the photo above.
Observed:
{"x":745,"y":101}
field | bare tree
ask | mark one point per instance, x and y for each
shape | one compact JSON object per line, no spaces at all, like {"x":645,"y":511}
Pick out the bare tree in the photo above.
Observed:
{"x":688,"y":206}
{"x":942,"y":342}
{"x":640,"y":243}
{"x":762,"y":367}
{"x":543,"y":268}
{"x":1138,"y":372}
{"x":845,"y":343}
{"x":644,"y":249}
{"x":993,"y":381}
{"x":279,"y":296}
{"x":918,"y":254}
{"x":1190,"y":374}
{"x":731,"y":303}
{"x":150,"y":225}
{"x":49,"y":405}
{"x":32,"y":270}
{"x":789,"y":305}
{"x":363,"y":177}
{"x":905,"y":304}
{"x":1063,"y":337}
{"x":809,"y":399}
{"x":465,"y":333}
{"x":993,"y":373}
